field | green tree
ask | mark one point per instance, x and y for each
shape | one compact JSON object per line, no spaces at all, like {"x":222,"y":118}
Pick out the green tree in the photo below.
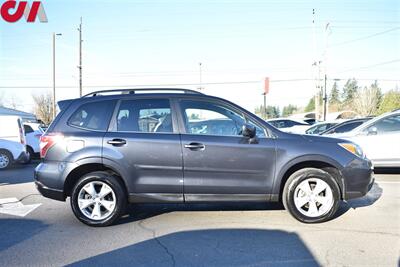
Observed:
{"x":288,"y":110}
{"x":311,"y":103}
{"x":349,"y":91}
{"x":334,"y":98}
{"x":390,"y":101}
{"x":272,"y":112}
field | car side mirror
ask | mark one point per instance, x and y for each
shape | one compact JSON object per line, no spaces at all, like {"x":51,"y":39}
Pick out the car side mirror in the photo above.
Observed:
{"x":372,"y":131}
{"x":248,"y":131}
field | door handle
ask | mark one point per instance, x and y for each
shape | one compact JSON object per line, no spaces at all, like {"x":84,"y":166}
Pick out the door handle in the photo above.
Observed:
{"x":117,"y":142}
{"x":195,"y":146}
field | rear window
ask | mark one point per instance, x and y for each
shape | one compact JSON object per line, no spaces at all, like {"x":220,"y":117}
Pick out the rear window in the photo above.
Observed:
{"x":28,"y":129}
{"x":93,"y":116}
{"x":145,"y":115}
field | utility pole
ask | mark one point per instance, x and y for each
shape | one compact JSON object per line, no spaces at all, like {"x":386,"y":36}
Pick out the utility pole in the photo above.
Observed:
{"x":80,"y":58}
{"x":325,"y":99}
{"x":54,"y":73}
{"x":327,"y":33}
{"x":316,"y":69}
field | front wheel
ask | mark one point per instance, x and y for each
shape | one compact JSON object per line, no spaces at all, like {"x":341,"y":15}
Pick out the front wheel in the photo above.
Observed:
{"x":311,"y":195}
{"x":98,"y":199}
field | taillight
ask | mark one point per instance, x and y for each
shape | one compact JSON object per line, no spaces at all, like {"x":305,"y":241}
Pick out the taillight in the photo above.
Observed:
{"x":21,"y":136}
{"x":47,"y":141}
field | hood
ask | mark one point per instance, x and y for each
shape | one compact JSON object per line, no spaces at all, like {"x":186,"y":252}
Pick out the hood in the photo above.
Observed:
{"x":323,"y":139}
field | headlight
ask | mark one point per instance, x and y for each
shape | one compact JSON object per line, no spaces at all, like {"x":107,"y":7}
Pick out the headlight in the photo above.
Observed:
{"x":353,"y":148}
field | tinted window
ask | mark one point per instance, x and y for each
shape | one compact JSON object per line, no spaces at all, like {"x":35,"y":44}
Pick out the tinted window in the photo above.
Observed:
{"x":317,"y":129}
{"x":28,"y":129}
{"x":347,"y":127}
{"x":145,"y":115}
{"x":213,"y":119}
{"x":387,"y":125}
{"x":93,"y":116}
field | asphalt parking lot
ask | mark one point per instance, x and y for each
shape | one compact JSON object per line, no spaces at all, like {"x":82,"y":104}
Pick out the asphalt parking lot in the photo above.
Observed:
{"x":366,"y":232}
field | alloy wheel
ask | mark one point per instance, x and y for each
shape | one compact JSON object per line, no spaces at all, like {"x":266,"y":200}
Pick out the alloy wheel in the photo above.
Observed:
{"x":97,"y":200}
{"x":313,"y":197}
{"x":4,"y":161}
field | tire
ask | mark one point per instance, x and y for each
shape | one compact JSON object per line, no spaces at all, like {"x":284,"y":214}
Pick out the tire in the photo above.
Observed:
{"x":6,"y":159}
{"x":304,"y":186}
{"x":80,"y":197}
{"x":31,"y":154}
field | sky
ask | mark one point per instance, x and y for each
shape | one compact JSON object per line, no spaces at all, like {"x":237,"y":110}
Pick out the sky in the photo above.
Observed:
{"x":161,"y":43}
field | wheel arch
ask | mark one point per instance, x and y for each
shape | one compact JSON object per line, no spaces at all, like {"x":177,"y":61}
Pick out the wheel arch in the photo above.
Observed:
{"x":86,"y":168}
{"x":328,"y":165}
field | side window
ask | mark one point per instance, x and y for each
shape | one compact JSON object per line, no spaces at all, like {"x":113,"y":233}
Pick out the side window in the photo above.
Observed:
{"x":211,"y":119}
{"x":28,"y":129}
{"x":145,"y":115}
{"x":93,"y":115}
{"x":348,"y":127}
{"x":259,"y":131}
{"x":387,"y":125}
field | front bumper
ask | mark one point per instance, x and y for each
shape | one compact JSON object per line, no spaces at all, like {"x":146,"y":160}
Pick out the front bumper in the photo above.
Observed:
{"x":358,"y":178}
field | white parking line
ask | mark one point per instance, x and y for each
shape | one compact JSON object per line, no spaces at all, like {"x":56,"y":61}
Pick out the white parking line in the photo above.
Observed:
{"x":386,"y":182}
{"x":12,"y":206}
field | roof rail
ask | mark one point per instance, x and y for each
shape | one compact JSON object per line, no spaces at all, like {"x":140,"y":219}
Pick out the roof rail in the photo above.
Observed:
{"x":133,"y":91}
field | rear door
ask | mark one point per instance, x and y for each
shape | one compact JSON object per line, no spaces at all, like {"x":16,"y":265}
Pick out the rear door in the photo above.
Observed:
{"x":144,"y":143}
{"x":219,"y":163}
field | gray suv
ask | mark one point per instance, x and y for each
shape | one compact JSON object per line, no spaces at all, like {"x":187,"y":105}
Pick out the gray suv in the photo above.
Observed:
{"x":115,"y":147}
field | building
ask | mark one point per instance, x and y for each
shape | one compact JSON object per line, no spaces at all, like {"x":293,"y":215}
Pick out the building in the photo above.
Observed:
{"x":26,"y":117}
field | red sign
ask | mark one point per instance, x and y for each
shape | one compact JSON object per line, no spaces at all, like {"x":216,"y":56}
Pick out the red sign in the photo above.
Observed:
{"x":12,"y":11}
{"x":266,"y":86}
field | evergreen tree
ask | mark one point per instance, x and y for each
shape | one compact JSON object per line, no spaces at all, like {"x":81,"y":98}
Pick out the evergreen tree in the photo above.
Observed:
{"x":334,"y":98}
{"x":288,"y":110}
{"x":349,"y":91}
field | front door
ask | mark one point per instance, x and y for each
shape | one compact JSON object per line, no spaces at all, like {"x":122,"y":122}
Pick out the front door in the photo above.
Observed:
{"x":219,"y":163}
{"x":143,"y":144}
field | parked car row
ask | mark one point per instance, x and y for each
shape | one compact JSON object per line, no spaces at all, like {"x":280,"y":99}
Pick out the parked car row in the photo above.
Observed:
{"x":19,"y":141}
{"x":379,"y":137}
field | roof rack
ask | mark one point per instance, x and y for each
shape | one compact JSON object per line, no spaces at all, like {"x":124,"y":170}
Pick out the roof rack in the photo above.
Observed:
{"x":134,"y":91}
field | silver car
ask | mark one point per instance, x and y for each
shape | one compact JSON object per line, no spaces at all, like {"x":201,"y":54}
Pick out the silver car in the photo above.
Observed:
{"x":379,"y":139}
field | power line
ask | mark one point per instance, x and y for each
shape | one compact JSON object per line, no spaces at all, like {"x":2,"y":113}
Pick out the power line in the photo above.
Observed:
{"x":209,"y":83}
{"x":372,"y":66}
{"x":365,"y":37}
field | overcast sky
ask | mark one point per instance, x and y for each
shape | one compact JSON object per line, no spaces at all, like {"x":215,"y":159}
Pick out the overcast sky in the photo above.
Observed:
{"x":160,"y":43}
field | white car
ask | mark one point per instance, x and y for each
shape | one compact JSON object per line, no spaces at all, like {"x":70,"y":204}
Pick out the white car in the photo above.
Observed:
{"x":12,"y":142}
{"x":286,"y":125}
{"x":33,"y":132}
{"x":379,"y":138}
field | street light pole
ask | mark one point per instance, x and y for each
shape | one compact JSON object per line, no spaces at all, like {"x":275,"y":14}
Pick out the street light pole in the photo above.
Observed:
{"x":80,"y":58}
{"x":54,"y":73}
{"x":200,"y":78}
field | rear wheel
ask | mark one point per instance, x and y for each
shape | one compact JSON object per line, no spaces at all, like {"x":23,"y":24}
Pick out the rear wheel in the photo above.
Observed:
{"x":311,"y":195}
{"x":98,"y":199}
{"x":6,"y":159}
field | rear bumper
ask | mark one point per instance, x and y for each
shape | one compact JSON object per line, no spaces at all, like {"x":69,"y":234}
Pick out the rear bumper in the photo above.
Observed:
{"x":23,"y":157}
{"x":50,"y":178}
{"x":49,"y":193}
{"x":358,"y":178}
